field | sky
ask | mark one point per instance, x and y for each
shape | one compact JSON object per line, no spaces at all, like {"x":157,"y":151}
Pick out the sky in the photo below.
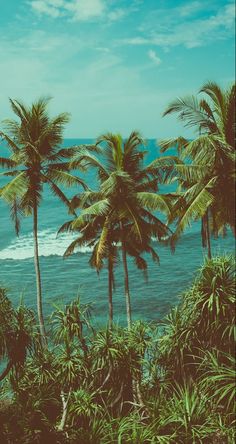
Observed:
{"x":115,"y":65}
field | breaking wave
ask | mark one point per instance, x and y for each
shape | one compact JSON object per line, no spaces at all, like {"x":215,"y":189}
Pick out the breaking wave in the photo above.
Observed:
{"x":49,"y":245}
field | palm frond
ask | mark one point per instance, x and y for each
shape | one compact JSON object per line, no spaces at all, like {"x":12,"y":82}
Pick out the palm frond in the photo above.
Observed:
{"x":153,"y":201}
{"x":15,"y":188}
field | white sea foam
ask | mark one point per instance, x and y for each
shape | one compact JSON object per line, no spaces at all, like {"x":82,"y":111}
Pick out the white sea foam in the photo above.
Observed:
{"x":49,"y":244}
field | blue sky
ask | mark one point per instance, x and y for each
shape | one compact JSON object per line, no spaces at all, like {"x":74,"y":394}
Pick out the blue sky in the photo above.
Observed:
{"x":114,"y":64}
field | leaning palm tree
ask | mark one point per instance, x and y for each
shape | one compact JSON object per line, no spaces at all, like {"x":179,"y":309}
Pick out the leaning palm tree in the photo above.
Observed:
{"x":125,"y":200}
{"x":89,"y":233}
{"x":36,"y":159}
{"x":207,"y":182}
{"x":111,"y":258}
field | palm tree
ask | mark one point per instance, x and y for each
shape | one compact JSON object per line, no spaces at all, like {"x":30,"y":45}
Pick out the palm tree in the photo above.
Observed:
{"x":125,"y":201}
{"x":208,"y":181}
{"x":89,"y":234}
{"x":36,"y":159}
{"x":111,"y":257}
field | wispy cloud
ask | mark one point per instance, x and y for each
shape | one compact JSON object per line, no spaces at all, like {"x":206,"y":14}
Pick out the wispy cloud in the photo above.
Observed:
{"x":83,"y":10}
{"x":52,"y":8}
{"x":154,"y":57}
{"x":137,"y":41}
{"x":79,"y":10}
{"x":188,"y":33}
{"x":189,"y":9}
{"x":117,"y":14}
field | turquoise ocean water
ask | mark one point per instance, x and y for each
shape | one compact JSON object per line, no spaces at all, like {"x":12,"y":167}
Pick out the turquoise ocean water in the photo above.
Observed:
{"x":62,"y":280}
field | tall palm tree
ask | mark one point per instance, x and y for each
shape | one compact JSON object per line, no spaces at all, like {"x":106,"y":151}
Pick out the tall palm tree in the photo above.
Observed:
{"x":208,"y":181}
{"x":90,"y":232}
{"x":126,"y":200}
{"x":36,"y":159}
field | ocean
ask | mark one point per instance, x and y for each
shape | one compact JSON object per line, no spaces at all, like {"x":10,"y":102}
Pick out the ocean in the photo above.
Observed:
{"x":65,"y":279}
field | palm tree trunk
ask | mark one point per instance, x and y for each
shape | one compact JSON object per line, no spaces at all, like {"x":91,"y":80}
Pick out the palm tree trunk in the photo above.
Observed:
{"x":126,"y":279}
{"x":38,"y":276}
{"x":208,"y":236}
{"x":110,"y":289}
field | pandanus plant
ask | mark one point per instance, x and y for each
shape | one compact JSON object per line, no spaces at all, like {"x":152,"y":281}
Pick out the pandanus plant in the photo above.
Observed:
{"x":16,"y":334}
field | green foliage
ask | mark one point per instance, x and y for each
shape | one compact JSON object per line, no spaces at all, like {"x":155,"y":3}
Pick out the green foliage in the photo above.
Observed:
{"x":204,"y":320}
{"x":171,"y":383}
{"x":219,"y":379}
{"x":148,"y":384}
{"x":36,"y":159}
{"x":207,"y":180}
{"x":120,"y":214}
{"x":16,"y":329}
{"x":188,"y":413}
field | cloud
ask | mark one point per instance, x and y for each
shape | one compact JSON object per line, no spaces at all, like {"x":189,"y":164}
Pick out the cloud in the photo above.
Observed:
{"x":117,"y":14}
{"x":79,"y":10}
{"x":190,"y":9}
{"x":154,"y":57}
{"x":103,"y":49}
{"x":188,"y":33}
{"x":47,"y":7}
{"x":137,"y":41}
{"x":83,"y":10}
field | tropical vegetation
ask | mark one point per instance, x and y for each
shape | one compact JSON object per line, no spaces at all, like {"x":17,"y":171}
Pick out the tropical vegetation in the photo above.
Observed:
{"x":173,"y":381}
